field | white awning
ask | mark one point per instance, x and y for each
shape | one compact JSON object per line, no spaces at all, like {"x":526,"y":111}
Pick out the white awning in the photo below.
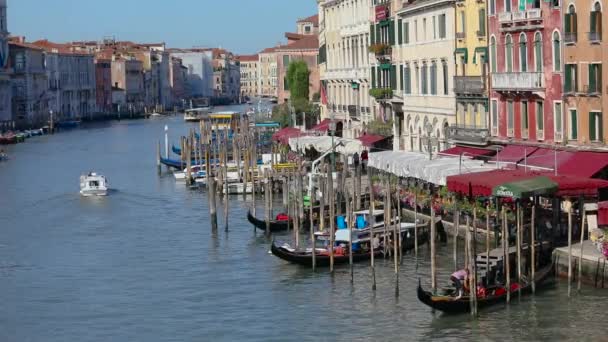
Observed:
{"x":324,"y":143}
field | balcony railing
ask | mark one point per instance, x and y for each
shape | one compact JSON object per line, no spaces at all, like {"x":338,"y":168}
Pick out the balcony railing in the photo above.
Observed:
{"x":540,"y":134}
{"x":471,"y":135}
{"x":595,"y":37}
{"x":519,"y":16}
{"x":469,"y":85}
{"x":504,"y":17}
{"x":460,"y":35}
{"x":534,"y":14}
{"x":558,"y":136}
{"x":570,"y":37}
{"x":518,"y":81}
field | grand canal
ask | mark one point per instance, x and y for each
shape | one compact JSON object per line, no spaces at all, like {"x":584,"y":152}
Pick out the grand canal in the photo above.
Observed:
{"x":144,"y":265}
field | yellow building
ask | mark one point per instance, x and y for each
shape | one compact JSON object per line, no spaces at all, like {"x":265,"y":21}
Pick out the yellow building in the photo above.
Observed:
{"x":471,"y":74}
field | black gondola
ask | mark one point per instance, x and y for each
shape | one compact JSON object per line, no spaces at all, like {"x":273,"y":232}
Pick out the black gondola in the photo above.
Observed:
{"x":305,"y":257}
{"x":275,"y":225}
{"x":449,"y":303}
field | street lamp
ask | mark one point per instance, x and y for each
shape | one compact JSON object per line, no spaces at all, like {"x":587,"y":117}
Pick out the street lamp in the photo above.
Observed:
{"x":429,"y":131}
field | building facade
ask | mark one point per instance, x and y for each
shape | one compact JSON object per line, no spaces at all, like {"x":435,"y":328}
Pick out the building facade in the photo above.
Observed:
{"x":471,"y":75}
{"x":6,"y":117}
{"x":249,"y":75}
{"x":526,"y":68}
{"x":179,"y":74}
{"x":423,"y":103}
{"x":267,"y":82}
{"x":344,"y":63}
{"x":305,"y":49}
{"x":128,"y":75}
{"x":103,"y":85}
{"x":199,"y":75}
{"x":584,"y":54}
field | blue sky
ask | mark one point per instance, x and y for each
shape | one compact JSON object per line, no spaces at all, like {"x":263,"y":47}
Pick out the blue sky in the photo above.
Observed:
{"x":242,"y":26}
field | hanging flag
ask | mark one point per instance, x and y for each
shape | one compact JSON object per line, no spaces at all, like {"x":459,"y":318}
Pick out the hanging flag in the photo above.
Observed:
{"x":323,"y":94}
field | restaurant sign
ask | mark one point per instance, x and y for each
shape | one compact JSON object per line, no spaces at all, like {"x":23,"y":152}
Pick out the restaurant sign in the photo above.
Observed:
{"x":503,"y":191}
{"x":382,"y":12}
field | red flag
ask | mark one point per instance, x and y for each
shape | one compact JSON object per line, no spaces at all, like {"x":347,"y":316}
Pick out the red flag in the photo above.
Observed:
{"x":323,"y":94}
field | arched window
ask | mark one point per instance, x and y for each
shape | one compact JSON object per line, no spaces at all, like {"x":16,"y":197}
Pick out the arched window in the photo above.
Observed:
{"x":523,"y":53}
{"x":509,"y":53}
{"x":595,"y":29}
{"x":570,"y":25}
{"x":493,"y":54}
{"x":538,"y":52}
{"x":557,"y":52}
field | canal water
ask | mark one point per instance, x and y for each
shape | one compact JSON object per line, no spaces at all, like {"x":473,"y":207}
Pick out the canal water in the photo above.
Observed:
{"x":144,"y":265}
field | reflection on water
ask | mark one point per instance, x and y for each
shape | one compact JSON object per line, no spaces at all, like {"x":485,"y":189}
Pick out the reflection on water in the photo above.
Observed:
{"x":144,"y":264}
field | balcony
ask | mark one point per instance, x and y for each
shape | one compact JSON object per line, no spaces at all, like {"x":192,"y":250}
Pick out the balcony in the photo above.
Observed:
{"x":518,"y":81}
{"x":504,"y":17}
{"x":540,"y":134}
{"x":521,"y":20}
{"x":570,"y":38}
{"x":460,"y":35}
{"x":353,"y":111}
{"x":519,"y":16}
{"x":558,"y":136}
{"x":468,"y":135}
{"x":381,"y":94}
{"x":469,"y":85}
{"x":383,"y":52}
{"x":595,"y":37}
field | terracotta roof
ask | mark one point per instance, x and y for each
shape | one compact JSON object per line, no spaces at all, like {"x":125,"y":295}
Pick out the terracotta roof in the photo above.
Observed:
{"x":294,"y":36}
{"x":269,"y":50}
{"x":17,"y":42}
{"x":312,"y":19}
{"x":307,"y":43}
{"x":248,"y":58}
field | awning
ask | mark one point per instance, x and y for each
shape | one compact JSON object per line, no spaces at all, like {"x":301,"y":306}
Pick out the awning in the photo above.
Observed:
{"x":578,"y":186}
{"x":513,"y":154}
{"x":322,"y":126}
{"x":466,"y":151}
{"x":324,"y":143}
{"x":463,"y":51}
{"x":540,"y":185}
{"x":584,"y":164}
{"x":283,"y":135}
{"x":546,"y":159}
{"x":602,"y":213}
{"x":370,"y":139}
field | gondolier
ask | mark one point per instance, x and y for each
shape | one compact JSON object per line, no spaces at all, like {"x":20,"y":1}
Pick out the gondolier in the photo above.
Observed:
{"x":458,"y":278}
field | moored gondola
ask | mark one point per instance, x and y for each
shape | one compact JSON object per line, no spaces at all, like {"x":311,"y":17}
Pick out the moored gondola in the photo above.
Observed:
{"x":275,"y":225}
{"x":453,"y":305}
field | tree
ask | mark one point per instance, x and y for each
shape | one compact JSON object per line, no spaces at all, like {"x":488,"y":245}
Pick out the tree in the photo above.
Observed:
{"x":298,"y":80}
{"x":280,"y":114}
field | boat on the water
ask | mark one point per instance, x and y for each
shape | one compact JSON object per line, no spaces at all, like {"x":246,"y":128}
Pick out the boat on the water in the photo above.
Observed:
{"x":450,"y":303}
{"x":238,"y":188}
{"x":93,"y":184}
{"x":275,"y":225}
{"x":196,"y":114}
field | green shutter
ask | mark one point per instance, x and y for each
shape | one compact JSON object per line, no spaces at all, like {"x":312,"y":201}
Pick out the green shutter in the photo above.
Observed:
{"x":401,"y":75}
{"x":374,"y":85}
{"x":400,"y":31}
{"x":598,"y":79}
{"x":592,"y":124}
{"x":372,"y":34}
{"x":482,"y":22}
{"x":574,"y":124}
{"x":406,"y":33}
{"x":378,"y":35}
{"x":380,"y":81}
{"x":568,"y":83}
{"x":567,"y":26}
{"x":391,"y":32}
{"x":574,"y":23}
{"x":393,"y":76}
{"x":592,"y":84}
{"x":593,"y":24}
{"x":600,"y":123}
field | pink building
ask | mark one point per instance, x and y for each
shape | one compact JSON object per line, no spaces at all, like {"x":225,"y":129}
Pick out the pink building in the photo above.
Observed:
{"x":526,"y":71}
{"x":301,"y":47}
{"x":103,"y":84}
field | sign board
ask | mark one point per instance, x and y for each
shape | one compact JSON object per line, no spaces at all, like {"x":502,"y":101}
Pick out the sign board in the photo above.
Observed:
{"x":382,"y":12}
{"x":504,"y":192}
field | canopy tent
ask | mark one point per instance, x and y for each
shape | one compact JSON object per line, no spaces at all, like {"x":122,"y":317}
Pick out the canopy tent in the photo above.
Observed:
{"x":369,"y":140}
{"x":465,"y":151}
{"x":417,"y":165}
{"x":513,"y":154}
{"x":584,"y":164}
{"x":322,"y":126}
{"x":284,"y":134}
{"x":540,"y":185}
{"x":546,"y":159}
{"x":324,"y":143}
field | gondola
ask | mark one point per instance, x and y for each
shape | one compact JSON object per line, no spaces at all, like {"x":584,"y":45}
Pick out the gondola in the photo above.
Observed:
{"x":449,"y":303}
{"x":275,"y":225}
{"x":305,"y":257}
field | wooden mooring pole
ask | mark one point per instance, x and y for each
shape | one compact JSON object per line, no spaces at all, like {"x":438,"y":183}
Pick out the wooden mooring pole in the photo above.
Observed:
{"x":569,"y":250}
{"x":533,"y":248}
{"x":212,"y":203}
{"x":456,"y":226}
{"x":433,"y":252}
{"x":370,"y":224}
{"x":580,"y":257}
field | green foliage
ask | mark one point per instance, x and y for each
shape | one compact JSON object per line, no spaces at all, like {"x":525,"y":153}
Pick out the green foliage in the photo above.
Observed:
{"x":316,"y":97}
{"x":298,"y":80}
{"x":381,"y":128}
{"x":280,"y":114}
{"x":381,"y":93}
{"x":379,"y":49}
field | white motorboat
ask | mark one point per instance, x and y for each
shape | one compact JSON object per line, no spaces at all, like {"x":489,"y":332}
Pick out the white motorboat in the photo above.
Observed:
{"x":93,"y":184}
{"x":196,"y":114}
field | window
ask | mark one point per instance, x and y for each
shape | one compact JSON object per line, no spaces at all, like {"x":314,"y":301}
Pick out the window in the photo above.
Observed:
{"x":434,"y":78}
{"x":492,"y":7}
{"x":434,"y":27}
{"x":595,"y":127}
{"x":557,"y":115}
{"x":462,"y":22}
{"x":524,"y":116}
{"x":555,"y":3}
{"x":573,"y":127}
{"x":595,"y":28}
{"x":424,"y":29}
{"x":540,"y":124}
{"x":570,"y":25}
{"x":442,"y":31}
{"x":418,"y":77}
{"x":415,"y":30}
{"x":509,"y":53}
{"x":570,"y":82}
{"x":507,"y":5}
{"x":523,"y":53}
{"x":406,"y":33}
{"x":444,"y":67}
{"x":285,"y":60}
{"x":595,"y":78}
{"x":307,"y":29}
{"x":424,"y":79}
{"x":494,"y":117}
{"x":20,"y":61}
{"x":510,"y":118}
{"x":482,"y":23}
{"x":407,"y":77}
{"x":493,"y":54}
{"x":538,"y":52}
{"x":557,"y":52}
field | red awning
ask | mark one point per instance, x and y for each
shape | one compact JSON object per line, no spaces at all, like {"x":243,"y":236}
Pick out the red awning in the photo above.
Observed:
{"x":584,"y":164}
{"x":467,"y":151}
{"x":284,"y":134}
{"x":322,"y":126}
{"x":370,"y":139}
{"x":577,"y":186}
{"x":602,"y":213}
{"x":513,"y":154}
{"x":546,"y":159}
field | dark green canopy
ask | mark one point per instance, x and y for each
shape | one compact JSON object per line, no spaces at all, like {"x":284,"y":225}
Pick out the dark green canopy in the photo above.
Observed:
{"x":540,"y":185}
